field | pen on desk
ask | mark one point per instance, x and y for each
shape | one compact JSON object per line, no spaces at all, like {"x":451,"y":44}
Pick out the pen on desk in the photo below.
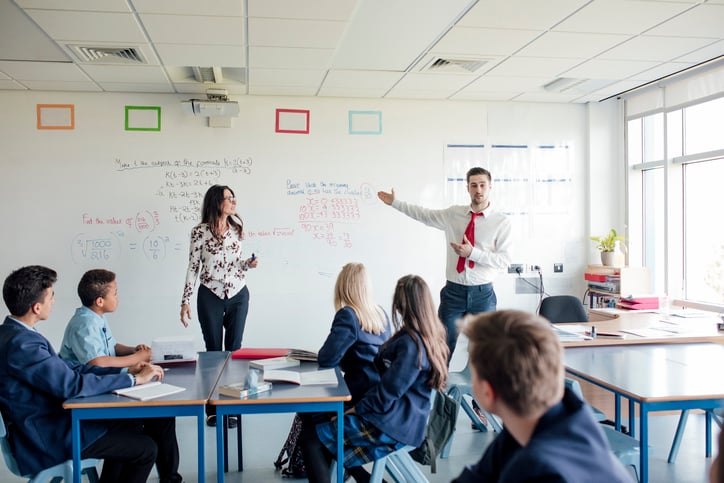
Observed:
{"x":593,"y":331}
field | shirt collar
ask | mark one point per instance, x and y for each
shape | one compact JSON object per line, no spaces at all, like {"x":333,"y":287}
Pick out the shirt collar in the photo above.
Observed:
{"x":23,"y":324}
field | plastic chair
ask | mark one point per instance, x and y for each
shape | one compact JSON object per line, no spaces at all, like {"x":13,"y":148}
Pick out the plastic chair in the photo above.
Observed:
{"x":54,"y":474}
{"x":563,"y":308}
{"x":681,"y":426}
{"x":399,"y":465}
{"x":626,"y":449}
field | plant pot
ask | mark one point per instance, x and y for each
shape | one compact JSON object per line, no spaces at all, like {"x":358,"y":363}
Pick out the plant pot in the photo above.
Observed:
{"x":612,"y":259}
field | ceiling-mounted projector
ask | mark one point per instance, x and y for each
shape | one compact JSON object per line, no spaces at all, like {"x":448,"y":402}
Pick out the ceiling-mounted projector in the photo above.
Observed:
{"x":217,"y":107}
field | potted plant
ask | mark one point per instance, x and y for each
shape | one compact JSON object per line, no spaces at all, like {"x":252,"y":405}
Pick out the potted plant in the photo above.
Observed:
{"x":610,"y":248}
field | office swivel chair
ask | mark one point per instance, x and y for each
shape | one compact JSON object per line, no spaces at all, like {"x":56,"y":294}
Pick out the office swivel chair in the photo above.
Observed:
{"x":562,"y":309}
{"x":55,"y":474}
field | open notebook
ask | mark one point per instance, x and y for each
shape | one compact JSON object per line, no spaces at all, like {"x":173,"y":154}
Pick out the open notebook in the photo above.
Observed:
{"x":152,"y":390}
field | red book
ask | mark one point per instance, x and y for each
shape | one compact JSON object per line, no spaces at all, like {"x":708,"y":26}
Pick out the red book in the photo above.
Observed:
{"x":259,"y":353}
{"x":640,"y":300}
{"x":626,"y":304}
{"x":595,"y":277}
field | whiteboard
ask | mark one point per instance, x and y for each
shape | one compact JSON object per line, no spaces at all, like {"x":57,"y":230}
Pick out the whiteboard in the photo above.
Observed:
{"x":98,"y":196}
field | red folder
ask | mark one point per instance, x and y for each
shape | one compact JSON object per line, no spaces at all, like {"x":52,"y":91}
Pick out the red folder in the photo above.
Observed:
{"x":259,"y":353}
{"x":636,"y":305}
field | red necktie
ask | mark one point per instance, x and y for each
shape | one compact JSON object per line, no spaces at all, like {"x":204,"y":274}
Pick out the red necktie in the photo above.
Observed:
{"x":470,"y":234}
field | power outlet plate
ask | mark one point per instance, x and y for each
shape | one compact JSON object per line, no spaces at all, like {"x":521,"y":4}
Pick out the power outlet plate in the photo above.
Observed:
{"x":557,"y":268}
{"x":515,"y":268}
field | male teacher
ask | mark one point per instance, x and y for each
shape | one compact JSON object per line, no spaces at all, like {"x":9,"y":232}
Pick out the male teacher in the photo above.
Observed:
{"x":479,"y":239}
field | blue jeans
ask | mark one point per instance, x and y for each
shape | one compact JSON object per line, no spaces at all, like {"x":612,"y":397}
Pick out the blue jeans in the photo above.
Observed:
{"x":458,"y":300}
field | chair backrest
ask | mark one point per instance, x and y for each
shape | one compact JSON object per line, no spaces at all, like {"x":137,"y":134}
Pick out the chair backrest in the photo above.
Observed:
{"x":5,"y":447}
{"x":563,"y":308}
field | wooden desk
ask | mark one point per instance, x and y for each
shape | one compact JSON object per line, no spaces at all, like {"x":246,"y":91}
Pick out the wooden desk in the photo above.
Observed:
{"x":694,"y":329}
{"x":198,"y":378}
{"x":659,"y":377}
{"x":283,"y":398}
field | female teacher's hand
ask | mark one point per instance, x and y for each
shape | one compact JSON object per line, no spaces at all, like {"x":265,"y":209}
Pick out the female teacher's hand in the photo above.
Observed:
{"x":185,"y":314}
{"x":252,"y":262}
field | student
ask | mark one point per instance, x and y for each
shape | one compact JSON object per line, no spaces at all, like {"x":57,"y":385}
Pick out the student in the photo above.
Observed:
{"x":393,"y":413}
{"x":358,"y":330}
{"x":549,"y":434}
{"x":480,"y":241}
{"x":36,"y":381}
{"x":88,"y":340}
{"x":215,"y":258}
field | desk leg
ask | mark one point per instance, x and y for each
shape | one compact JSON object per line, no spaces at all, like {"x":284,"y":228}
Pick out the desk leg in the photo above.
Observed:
{"x":200,"y":432}
{"x":617,"y":410}
{"x":644,"y":442}
{"x":220,"y":449}
{"x":632,"y":418}
{"x":340,"y":442}
{"x":708,"y":433}
{"x":75,"y":441}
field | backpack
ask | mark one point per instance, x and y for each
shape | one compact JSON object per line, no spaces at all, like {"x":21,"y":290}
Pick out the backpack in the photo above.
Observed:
{"x":291,"y":453}
{"x":440,"y":428}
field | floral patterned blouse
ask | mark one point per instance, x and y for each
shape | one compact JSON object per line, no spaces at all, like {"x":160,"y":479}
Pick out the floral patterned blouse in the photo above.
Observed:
{"x":220,"y":263}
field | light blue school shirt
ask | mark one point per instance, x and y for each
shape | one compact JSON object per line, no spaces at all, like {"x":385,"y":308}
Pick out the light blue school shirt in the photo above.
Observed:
{"x":86,"y":337}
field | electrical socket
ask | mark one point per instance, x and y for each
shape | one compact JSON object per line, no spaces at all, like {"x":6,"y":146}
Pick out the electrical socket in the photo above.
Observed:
{"x":557,"y":268}
{"x":515,"y":268}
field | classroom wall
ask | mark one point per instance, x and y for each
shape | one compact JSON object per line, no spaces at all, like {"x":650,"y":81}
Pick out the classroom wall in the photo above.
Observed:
{"x":101,"y":196}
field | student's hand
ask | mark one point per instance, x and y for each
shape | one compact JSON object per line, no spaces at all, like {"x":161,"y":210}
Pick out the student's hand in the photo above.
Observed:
{"x":142,"y":347}
{"x":185,"y":314}
{"x":387,"y":198}
{"x":146,"y":372}
{"x":252,"y":262}
{"x":143,"y":355}
{"x":464,"y":249}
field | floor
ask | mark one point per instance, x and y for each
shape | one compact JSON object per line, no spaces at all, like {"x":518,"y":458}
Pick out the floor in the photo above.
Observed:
{"x":265,"y":434}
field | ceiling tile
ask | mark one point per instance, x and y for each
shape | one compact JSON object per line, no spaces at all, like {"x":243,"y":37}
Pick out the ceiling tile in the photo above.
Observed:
{"x":654,"y":48}
{"x":202,"y":55}
{"x":231,"y":8}
{"x":705,"y":53}
{"x":608,"y":69}
{"x":269,"y":32}
{"x":289,"y":58}
{"x":429,"y":82}
{"x":89,"y":26}
{"x":266,"y":90}
{"x":187,"y":29}
{"x":571,"y":45}
{"x":482,"y":41}
{"x":24,"y":40}
{"x":373,"y":92}
{"x":620,"y":16}
{"x":504,"y":84}
{"x":543,"y":96}
{"x":11,"y":85}
{"x":357,"y":79}
{"x":487,"y":96}
{"x":90,"y":5}
{"x":660,"y":71}
{"x":42,"y":71}
{"x":519,"y":14}
{"x":126,"y":73}
{"x":533,"y":67}
{"x":701,"y":21}
{"x":309,"y":9}
{"x":44,"y":85}
{"x":284,"y":77}
{"x":137,"y":87}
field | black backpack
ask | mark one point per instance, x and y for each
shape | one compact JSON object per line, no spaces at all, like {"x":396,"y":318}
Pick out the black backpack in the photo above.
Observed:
{"x":440,"y":428}
{"x":291,"y":453}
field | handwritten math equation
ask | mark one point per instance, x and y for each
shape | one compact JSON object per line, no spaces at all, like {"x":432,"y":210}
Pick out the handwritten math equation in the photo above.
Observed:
{"x":109,"y":247}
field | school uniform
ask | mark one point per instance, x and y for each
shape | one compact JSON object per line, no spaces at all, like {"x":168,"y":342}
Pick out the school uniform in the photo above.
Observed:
{"x":567,"y":445}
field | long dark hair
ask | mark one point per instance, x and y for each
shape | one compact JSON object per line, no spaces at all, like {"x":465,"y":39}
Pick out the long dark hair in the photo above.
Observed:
{"x":211,"y":211}
{"x":413,"y":312}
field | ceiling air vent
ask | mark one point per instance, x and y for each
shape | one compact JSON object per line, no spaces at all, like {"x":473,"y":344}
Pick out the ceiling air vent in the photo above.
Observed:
{"x":108,"y":55}
{"x":455,"y":65}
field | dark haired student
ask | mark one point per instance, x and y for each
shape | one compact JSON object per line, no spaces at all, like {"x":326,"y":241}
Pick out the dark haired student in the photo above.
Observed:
{"x":217,"y":260}
{"x":36,"y":381}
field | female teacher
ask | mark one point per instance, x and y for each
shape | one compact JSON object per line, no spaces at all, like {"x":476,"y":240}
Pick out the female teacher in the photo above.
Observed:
{"x":215,"y":252}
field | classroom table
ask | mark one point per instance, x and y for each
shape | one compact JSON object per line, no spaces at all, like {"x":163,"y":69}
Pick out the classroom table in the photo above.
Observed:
{"x":282,"y":398}
{"x":653,"y":327}
{"x":199,"y":378}
{"x":659,"y":377}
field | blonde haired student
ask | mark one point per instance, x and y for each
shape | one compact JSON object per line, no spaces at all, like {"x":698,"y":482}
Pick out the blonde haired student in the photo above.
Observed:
{"x":393,"y":413}
{"x":549,"y":434}
{"x":358,"y":330}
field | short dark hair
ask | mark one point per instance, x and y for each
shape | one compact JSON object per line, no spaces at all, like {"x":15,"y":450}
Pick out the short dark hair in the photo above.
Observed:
{"x":26,"y":286}
{"x":476,"y":171}
{"x":520,"y":356}
{"x":94,"y":284}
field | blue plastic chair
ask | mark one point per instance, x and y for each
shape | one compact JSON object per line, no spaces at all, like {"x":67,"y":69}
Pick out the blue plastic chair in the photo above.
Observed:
{"x":681,"y":426}
{"x":54,"y":474}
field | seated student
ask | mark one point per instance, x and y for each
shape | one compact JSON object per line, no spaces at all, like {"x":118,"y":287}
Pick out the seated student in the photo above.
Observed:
{"x":393,"y":413}
{"x":35,"y":382}
{"x":88,"y":340}
{"x":358,"y":329}
{"x":550,"y":435}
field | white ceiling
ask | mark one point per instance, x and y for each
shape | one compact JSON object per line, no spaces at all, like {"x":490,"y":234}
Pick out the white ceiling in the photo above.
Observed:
{"x":360,"y":48}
